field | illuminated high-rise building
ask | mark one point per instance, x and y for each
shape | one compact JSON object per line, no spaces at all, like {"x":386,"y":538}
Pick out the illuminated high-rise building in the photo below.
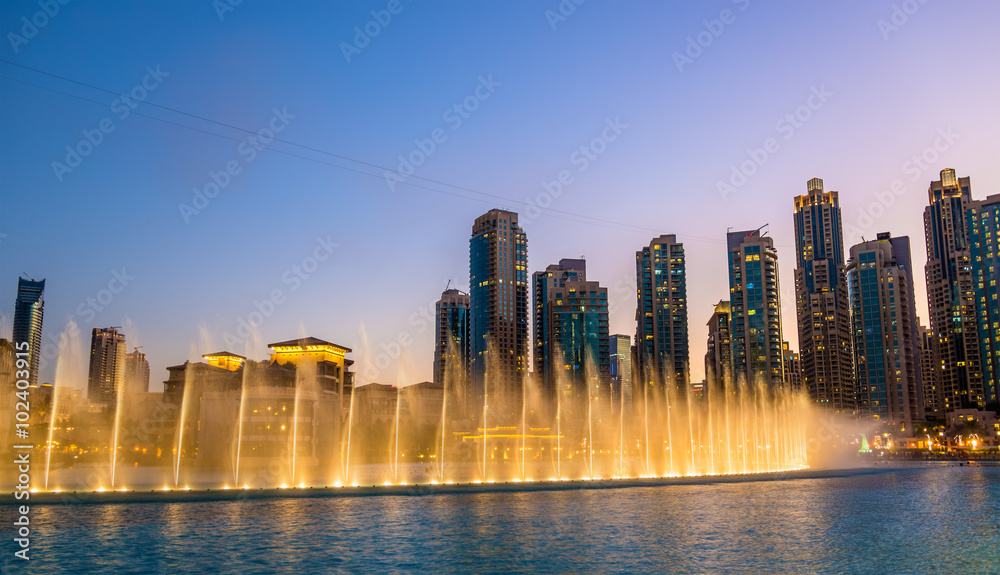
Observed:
{"x":571,"y":348}
{"x":621,"y":371}
{"x":107,"y":366}
{"x":822,"y":310}
{"x":498,"y":306}
{"x":793,"y":367}
{"x":136,"y":372}
{"x":451,"y":342}
{"x":983,"y":220}
{"x":930,"y":372}
{"x":661,"y":337}
{"x":28,"y":311}
{"x":884,"y":329}
{"x":755,"y":309}
{"x":719,"y":357}
{"x":951,"y":297}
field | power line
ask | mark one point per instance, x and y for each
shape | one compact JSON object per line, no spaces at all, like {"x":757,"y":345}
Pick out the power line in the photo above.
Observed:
{"x":591,"y":219}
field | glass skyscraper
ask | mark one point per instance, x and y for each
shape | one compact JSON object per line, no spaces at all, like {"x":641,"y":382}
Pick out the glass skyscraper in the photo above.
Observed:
{"x":28,"y":311}
{"x":661,"y":338}
{"x":498,"y":306}
{"x":755,"y":309}
{"x":983,"y":218}
{"x":821,"y":305}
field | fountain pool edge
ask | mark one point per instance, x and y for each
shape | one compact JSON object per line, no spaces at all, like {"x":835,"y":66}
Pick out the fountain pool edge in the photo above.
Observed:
{"x":232,"y":494}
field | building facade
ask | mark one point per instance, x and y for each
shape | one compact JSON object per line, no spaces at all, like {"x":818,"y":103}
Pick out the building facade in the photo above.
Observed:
{"x":755,"y":309}
{"x":930,"y":372}
{"x":950,"y":292}
{"x":572,"y":349}
{"x":136,"y":372}
{"x":107,"y":366}
{"x":498,"y":307}
{"x":451,"y":338}
{"x":28,"y":311}
{"x":793,"y":367}
{"x":824,"y":322}
{"x":983,"y":220}
{"x":620,"y":347}
{"x":883,"y":327}
{"x":719,"y":356}
{"x":661,"y":337}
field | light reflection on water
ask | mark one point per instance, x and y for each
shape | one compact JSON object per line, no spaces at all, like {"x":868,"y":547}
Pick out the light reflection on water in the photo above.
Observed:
{"x":909,"y":521}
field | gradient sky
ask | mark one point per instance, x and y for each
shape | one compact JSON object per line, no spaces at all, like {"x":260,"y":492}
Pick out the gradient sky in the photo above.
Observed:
{"x":889,"y":94}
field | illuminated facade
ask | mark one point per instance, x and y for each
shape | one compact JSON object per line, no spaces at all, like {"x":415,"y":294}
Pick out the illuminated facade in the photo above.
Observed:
{"x":498,"y":305}
{"x":136,"y":372}
{"x":661,"y":338}
{"x":755,"y":309}
{"x":332,"y":368}
{"x":451,"y":337}
{"x":719,"y":357}
{"x":107,"y":366}
{"x":572,"y":352}
{"x":951,"y":292}
{"x":983,"y":219}
{"x":930,"y":372}
{"x":28,"y":311}
{"x":620,"y":347}
{"x":884,"y":330}
{"x":824,"y":322}
{"x":224,"y":359}
{"x":793,"y":367}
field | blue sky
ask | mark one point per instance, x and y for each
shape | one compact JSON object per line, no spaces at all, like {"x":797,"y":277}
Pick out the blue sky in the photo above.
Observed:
{"x":890,"y":89}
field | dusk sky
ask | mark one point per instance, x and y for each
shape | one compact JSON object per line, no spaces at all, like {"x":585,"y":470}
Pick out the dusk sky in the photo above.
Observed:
{"x":874,"y":84}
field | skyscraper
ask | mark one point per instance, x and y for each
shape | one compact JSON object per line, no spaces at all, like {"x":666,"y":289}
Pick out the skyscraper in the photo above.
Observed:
{"x":930,"y":372}
{"x":661,"y":337}
{"x":984,"y":240}
{"x":822,"y":310}
{"x":719,"y":357}
{"x":451,"y":337}
{"x":756,"y":308}
{"x":793,"y":367}
{"x":498,"y":306}
{"x":950,"y":292}
{"x":28,"y":310}
{"x":572,"y":352}
{"x":883,"y":327}
{"x":136,"y":372}
{"x":107,"y":366}
{"x":621,"y":370}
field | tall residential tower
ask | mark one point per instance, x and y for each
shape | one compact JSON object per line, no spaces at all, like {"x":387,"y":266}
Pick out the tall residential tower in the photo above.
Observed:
{"x":107,"y":366}
{"x":755,"y":309}
{"x":498,"y":306}
{"x":824,"y":320}
{"x":661,"y":337}
{"x":28,"y":310}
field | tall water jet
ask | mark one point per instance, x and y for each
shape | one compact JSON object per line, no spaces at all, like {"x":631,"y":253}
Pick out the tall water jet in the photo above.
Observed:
{"x":119,"y":406}
{"x":68,"y":363}
{"x":244,"y":388}
{"x":395,"y":444}
{"x":189,"y":382}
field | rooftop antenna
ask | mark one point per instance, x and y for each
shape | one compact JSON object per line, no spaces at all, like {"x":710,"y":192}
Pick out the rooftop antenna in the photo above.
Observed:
{"x":29,"y":277}
{"x":762,"y":227}
{"x":447,"y":286}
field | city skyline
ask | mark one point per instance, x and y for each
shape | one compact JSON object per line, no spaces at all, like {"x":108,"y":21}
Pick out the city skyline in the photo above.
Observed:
{"x":244,"y":250}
